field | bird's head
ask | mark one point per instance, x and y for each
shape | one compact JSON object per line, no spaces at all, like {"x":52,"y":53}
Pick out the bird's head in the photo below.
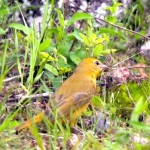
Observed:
{"x":91,"y":66}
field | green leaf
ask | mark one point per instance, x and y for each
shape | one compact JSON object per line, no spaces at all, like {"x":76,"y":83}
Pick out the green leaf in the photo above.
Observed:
{"x":4,"y":11}
{"x":111,"y":19}
{"x":108,"y":51}
{"x":76,"y":59}
{"x":63,"y":48}
{"x":112,"y":32}
{"x":60,"y":17}
{"x":98,"y":49}
{"x":45,"y":44}
{"x":2,"y":31}
{"x":46,"y":57}
{"x":56,"y":82}
{"x":97,"y":102}
{"x":81,"y":54}
{"x":38,"y":76}
{"x":51,"y":69}
{"x":140,"y":106}
{"x":113,"y":110}
{"x":85,"y":39}
{"x":77,"y":56}
{"x":60,"y":33}
{"x":63,"y":58}
{"x":140,"y":125}
{"x":115,"y":6}
{"x":79,"y":16}
{"x":74,"y":34}
{"x":20,"y":27}
{"x":63,"y":70}
{"x":99,"y":40}
{"x":137,"y":37}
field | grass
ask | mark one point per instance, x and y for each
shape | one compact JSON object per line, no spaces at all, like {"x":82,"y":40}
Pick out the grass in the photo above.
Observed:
{"x":22,"y":54}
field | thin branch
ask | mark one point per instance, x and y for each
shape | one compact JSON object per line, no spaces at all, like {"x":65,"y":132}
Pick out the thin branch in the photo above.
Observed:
{"x":12,"y":78}
{"x":125,"y":59}
{"x":21,"y":96}
{"x":131,"y":67}
{"x":122,"y":28}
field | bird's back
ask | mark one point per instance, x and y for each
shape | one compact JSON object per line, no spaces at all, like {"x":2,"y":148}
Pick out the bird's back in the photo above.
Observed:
{"x":74,"y":95}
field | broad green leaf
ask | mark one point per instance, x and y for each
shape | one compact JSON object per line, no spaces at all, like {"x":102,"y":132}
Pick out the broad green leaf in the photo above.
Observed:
{"x":137,"y":37}
{"x":21,"y":27}
{"x":111,"y":19}
{"x":106,"y":37}
{"x":75,"y":58}
{"x":113,"y":110}
{"x":2,"y":31}
{"x":45,"y":44}
{"x":140,"y":125}
{"x":60,"y":33}
{"x":46,"y":56}
{"x":115,"y":6}
{"x":60,"y":17}
{"x":99,"y":40}
{"x":74,"y":34}
{"x":98,"y":50}
{"x":63,"y":57}
{"x":80,"y":54}
{"x":78,"y":16}
{"x":56,"y":82}
{"x":139,"y":107}
{"x":112,"y":32}
{"x":85,"y":39}
{"x":108,"y":51}
{"x":51,"y":69}
{"x":92,"y":38}
{"x":97,"y":102}
{"x":63,"y":70}
{"x":4,"y":11}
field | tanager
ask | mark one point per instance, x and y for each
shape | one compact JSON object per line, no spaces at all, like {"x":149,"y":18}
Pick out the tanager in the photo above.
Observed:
{"x":74,"y":95}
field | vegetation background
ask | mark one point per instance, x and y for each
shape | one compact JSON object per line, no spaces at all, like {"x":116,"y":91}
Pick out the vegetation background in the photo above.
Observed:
{"x":37,"y":55}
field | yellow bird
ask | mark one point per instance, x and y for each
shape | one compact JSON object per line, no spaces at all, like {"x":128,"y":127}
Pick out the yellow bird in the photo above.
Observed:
{"x":74,"y":95}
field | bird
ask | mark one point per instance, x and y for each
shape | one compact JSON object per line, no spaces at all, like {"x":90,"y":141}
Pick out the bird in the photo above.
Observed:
{"x":74,"y":95}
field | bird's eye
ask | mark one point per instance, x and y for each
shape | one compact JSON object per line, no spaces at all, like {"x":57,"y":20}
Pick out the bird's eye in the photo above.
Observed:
{"x":97,"y":62}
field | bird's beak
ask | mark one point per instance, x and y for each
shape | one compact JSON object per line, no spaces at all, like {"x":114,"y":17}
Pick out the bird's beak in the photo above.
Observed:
{"x":104,"y":68}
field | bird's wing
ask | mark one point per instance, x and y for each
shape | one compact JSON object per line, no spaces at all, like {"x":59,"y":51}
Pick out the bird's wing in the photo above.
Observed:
{"x":71,"y":98}
{"x":72,"y":103}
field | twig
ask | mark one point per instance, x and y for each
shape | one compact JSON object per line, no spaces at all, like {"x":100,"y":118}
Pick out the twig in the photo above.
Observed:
{"x":21,"y":96}
{"x":72,"y":45}
{"x":11,"y":78}
{"x":122,"y":28}
{"x":125,"y":59}
{"x":138,"y":67}
{"x":131,"y":67}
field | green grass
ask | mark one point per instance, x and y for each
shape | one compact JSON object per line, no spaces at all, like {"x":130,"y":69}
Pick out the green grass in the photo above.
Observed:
{"x":49,"y":50}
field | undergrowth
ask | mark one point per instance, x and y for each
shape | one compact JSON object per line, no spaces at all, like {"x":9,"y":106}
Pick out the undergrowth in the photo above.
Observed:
{"x":43,"y":60}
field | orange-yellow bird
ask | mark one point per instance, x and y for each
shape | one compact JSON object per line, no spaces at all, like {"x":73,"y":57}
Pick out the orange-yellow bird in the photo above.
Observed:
{"x":74,"y":95}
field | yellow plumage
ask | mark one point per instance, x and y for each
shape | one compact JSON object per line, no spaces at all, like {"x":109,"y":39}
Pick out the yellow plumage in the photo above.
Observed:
{"x":74,"y":95}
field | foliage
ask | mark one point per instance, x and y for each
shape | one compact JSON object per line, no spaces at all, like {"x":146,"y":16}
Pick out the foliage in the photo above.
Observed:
{"x":48,"y":57}
{"x":124,"y":98}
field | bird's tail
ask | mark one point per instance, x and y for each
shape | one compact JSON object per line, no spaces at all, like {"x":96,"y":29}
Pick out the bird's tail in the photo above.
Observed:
{"x":36,"y":119}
